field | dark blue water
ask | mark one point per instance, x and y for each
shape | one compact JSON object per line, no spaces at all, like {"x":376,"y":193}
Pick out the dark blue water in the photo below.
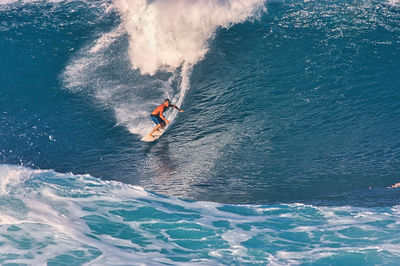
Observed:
{"x":286,"y":102}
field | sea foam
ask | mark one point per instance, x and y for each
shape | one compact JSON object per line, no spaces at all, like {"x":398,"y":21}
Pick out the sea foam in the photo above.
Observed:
{"x":164,"y":34}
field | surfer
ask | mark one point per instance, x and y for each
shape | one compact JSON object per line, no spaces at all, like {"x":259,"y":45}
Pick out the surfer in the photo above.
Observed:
{"x":158,"y":117}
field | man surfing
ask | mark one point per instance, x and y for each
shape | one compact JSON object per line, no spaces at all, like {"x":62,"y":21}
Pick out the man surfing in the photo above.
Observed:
{"x":158,"y":117}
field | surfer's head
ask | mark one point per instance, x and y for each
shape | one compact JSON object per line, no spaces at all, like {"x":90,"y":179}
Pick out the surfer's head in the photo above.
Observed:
{"x":167,"y":102}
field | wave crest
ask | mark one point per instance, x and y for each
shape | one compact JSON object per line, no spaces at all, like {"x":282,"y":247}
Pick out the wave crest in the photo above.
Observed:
{"x":164,"y":34}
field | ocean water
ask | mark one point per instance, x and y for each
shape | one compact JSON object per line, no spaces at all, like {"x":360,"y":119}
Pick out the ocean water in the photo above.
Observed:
{"x":284,"y":155}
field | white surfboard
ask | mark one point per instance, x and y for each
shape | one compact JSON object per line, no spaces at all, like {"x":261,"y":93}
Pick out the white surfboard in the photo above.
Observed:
{"x":156,"y":135}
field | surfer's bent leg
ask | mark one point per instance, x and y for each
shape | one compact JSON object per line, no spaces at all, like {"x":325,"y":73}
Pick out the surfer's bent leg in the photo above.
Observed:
{"x":154,"y":130}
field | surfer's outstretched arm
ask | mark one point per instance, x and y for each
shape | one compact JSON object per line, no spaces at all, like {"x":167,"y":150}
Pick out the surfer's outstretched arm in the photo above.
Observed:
{"x":176,"y":107}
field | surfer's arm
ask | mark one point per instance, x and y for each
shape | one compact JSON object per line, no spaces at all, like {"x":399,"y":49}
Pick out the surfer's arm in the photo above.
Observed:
{"x":163,"y":118}
{"x":176,"y":107}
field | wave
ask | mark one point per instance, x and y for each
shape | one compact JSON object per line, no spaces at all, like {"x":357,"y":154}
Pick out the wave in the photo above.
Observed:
{"x":149,"y":56}
{"x":48,"y":217}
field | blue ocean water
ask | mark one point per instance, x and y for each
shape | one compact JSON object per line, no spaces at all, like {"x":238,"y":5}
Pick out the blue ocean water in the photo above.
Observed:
{"x":289,"y":140}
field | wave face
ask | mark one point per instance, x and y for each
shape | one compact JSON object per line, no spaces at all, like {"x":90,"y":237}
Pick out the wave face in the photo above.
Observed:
{"x":52,"y":218}
{"x":153,"y":36}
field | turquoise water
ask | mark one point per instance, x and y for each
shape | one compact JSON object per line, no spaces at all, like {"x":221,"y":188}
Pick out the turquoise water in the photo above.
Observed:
{"x":284,"y":154}
{"x":65,"y":219}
